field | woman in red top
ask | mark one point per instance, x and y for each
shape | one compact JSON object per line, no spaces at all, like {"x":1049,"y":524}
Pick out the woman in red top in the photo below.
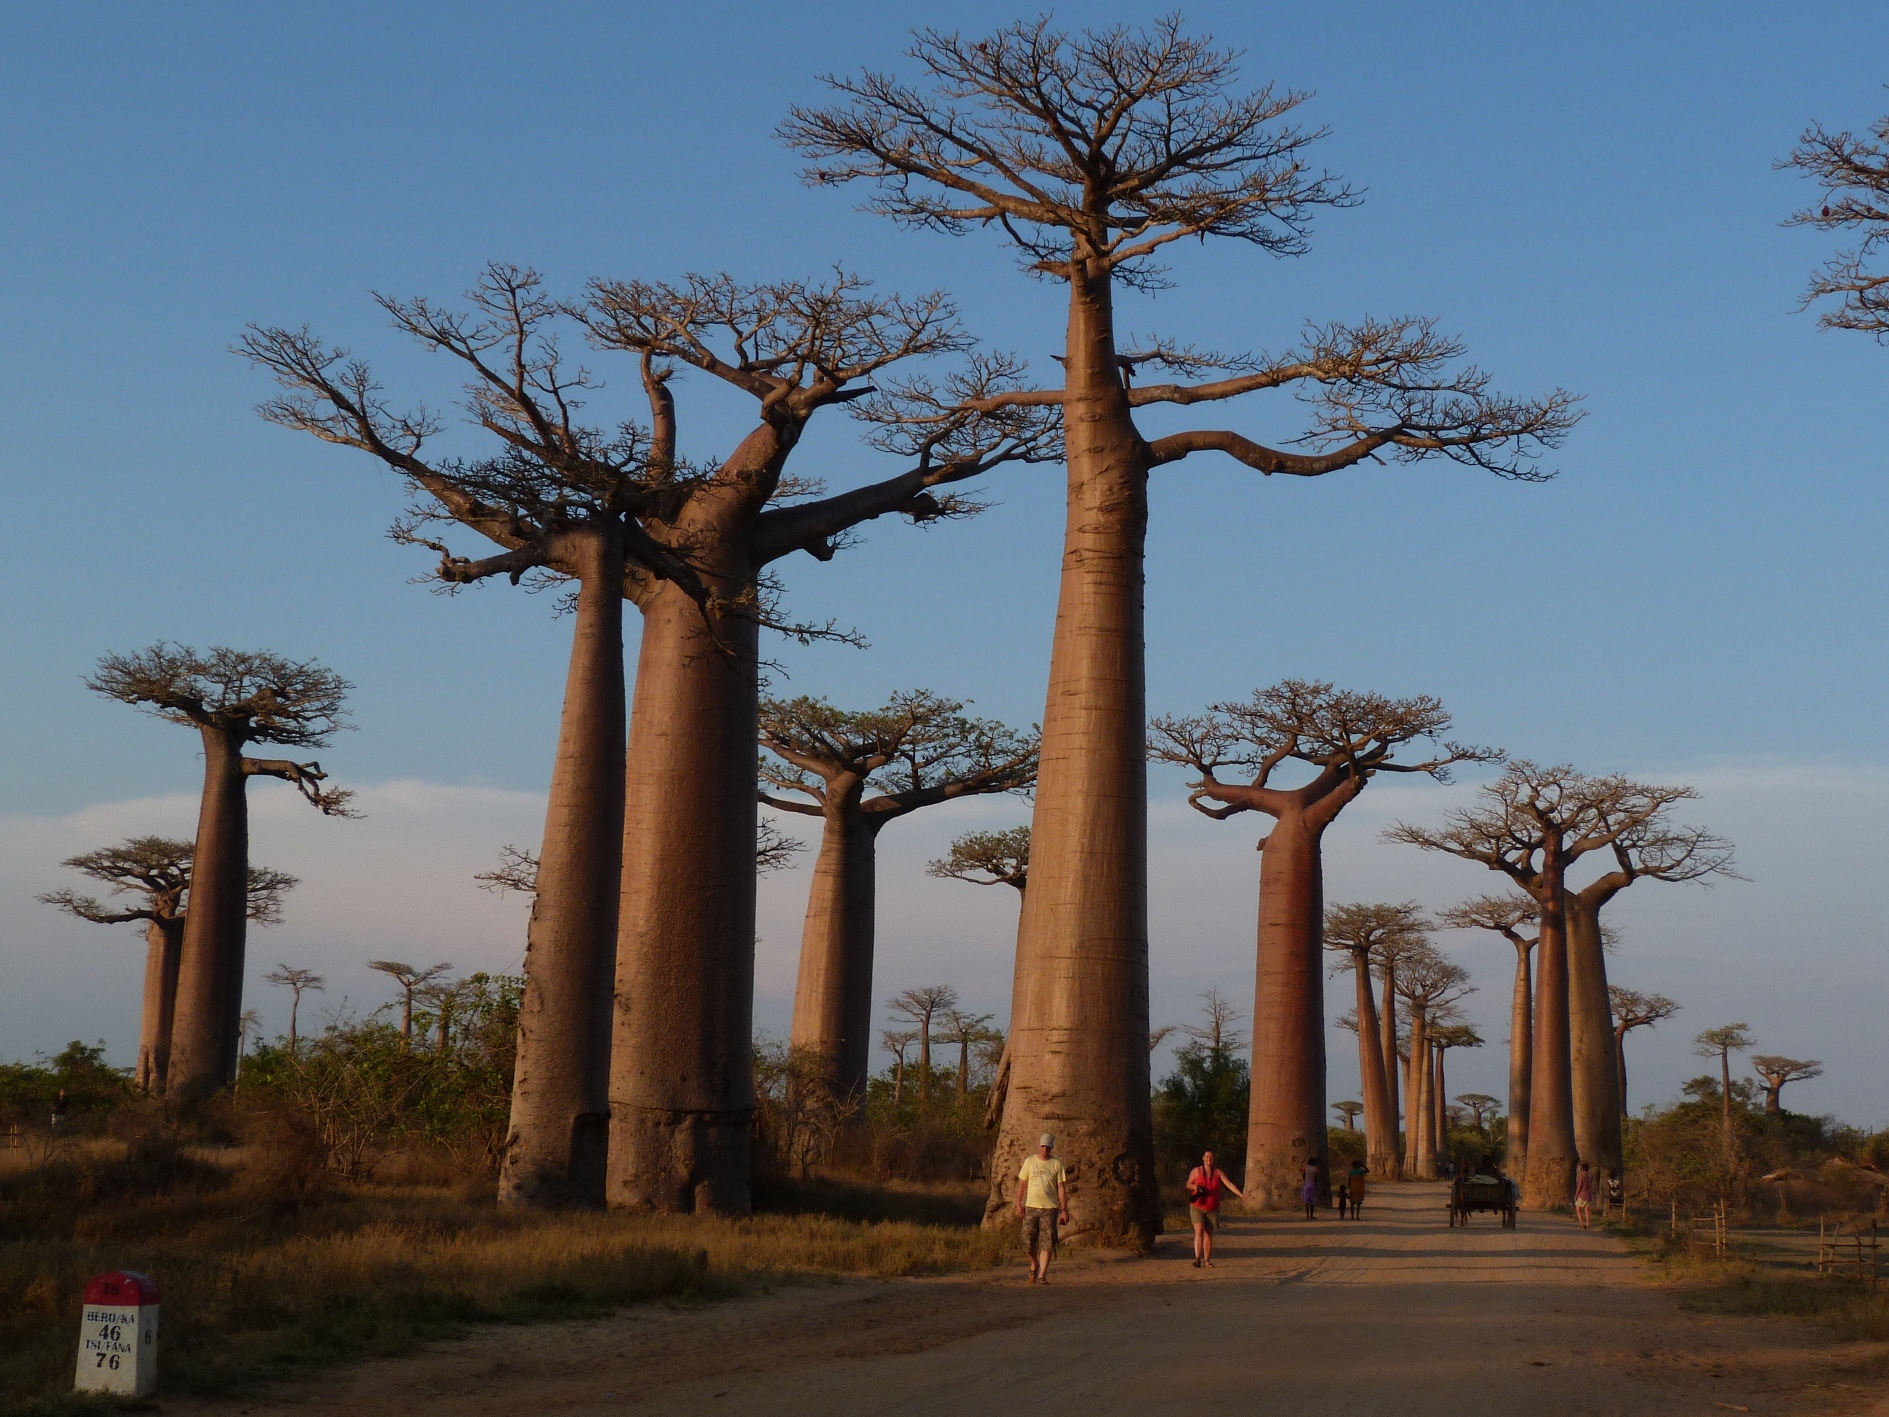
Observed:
{"x":1204,"y":1184}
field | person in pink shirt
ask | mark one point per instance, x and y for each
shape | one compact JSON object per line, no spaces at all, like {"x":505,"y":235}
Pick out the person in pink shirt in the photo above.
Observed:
{"x":1204,"y":1184}
{"x":1584,"y":1196}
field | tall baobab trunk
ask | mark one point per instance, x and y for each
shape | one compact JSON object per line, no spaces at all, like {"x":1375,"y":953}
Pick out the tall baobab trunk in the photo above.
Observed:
{"x":557,"y":1146}
{"x":1549,"y":1182}
{"x":1440,"y":1111}
{"x":1725,"y":1093}
{"x":164,"y":942}
{"x":1620,"y":1065}
{"x":1380,"y":1113}
{"x":1286,"y":1122}
{"x":681,"y":1072}
{"x":1079,"y":1032}
{"x":1521,"y":1061}
{"x":833,"y":994}
{"x":1387,"y":1023}
{"x":1416,"y":1128}
{"x":205,"y":1033}
{"x":1594,"y":1062}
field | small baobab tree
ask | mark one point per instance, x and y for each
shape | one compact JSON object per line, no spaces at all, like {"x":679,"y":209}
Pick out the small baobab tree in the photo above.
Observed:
{"x":1349,"y":1112}
{"x":1634,"y":1008}
{"x":1480,"y":1105}
{"x":1853,"y":172}
{"x":1777,"y":1071}
{"x":994,"y":859}
{"x":1429,"y":986}
{"x":1345,"y":739}
{"x":1510,"y":916}
{"x":1092,"y":153}
{"x":926,"y":1007}
{"x":411,"y":979}
{"x":970,"y":1032}
{"x":858,"y":772}
{"x":232,"y":698}
{"x":298,"y":982}
{"x":898,"y":1042}
{"x":156,"y":870}
{"x":1721,"y":1043}
{"x":1366,"y":936}
{"x":1442,"y":1039}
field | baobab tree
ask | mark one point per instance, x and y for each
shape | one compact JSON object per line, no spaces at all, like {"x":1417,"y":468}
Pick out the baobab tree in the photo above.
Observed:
{"x":1480,"y":1105}
{"x":968,"y":1031}
{"x":924,"y":1006}
{"x":1091,"y":154}
{"x":1365,"y":935}
{"x":157,"y":869}
{"x":1442,"y":1039}
{"x":1429,"y":985}
{"x":297,"y":981}
{"x":232,"y":698}
{"x":411,"y":979}
{"x":1777,"y":1071}
{"x":1721,"y":1043}
{"x":1507,"y":916}
{"x":991,"y":859}
{"x":1349,"y":1111}
{"x":858,"y":772}
{"x":1532,"y":824}
{"x":1346,"y":739}
{"x":1646,"y":845}
{"x":897,"y":1041}
{"x":1854,"y":175}
{"x":1634,"y":1008}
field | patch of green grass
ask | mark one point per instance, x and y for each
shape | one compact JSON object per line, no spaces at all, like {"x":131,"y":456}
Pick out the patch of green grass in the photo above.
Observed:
{"x":1844,"y":1306}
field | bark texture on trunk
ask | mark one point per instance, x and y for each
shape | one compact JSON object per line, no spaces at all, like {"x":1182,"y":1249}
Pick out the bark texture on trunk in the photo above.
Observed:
{"x":1620,"y":1065}
{"x":1387,"y":1023}
{"x":1380,"y":1113}
{"x":556,"y":1148}
{"x":1440,"y":1112}
{"x":1421,"y":1161}
{"x":681,"y":1072}
{"x":1549,"y":1184}
{"x":833,"y":994}
{"x":205,"y":1036}
{"x":1286,"y":1121}
{"x":1595,"y":1068}
{"x":1079,"y":1030}
{"x":1521,"y":1062}
{"x":164,"y":945}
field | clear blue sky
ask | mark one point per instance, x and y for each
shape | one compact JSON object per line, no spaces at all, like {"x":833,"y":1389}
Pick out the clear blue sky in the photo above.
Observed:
{"x":1587,"y":198}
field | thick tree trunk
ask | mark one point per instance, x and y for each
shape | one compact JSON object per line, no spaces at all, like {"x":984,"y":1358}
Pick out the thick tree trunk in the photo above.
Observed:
{"x":1286,"y":1122}
{"x":1595,"y":1070}
{"x":164,"y":944}
{"x":557,"y":1145}
{"x":1620,"y":1066}
{"x":1416,"y":1095}
{"x":1774,"y":1101}
{"x":1521,"y":1064}
{"x":1079,"y":1030}
{"x":1440,"y":1111}
{"x":205,"y":1036}
{"x":1380,"y":1113}
{"x":1387,"y":1024}
{"x":833,"y":996}
{"x":1549,"y":1183}
{"x":681,"y":1071}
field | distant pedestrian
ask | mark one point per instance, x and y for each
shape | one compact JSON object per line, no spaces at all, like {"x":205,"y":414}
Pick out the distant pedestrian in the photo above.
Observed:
{"x":1204,"y":1184}
{"x":61,"y":1105}
{"x":1042,"y":1200}
{"x":1308,"y":1190}
{"x":1354,"y":1187}
{"x":1584,"y":1196}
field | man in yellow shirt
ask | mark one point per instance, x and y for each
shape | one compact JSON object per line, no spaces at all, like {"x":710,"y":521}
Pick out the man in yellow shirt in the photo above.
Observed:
{"x":1042,"y":1200}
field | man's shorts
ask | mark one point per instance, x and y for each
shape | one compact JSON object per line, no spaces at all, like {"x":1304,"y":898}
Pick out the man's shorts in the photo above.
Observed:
{"x":1039,"y":1230}
{"x":1203,"y":1219}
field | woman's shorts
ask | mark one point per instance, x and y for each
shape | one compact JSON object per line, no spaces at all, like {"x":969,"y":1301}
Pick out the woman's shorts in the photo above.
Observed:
{"x":1204,"y":1219}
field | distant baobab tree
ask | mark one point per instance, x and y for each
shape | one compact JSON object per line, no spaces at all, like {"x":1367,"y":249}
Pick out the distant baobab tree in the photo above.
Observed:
{"x":232,"y":698}
{"x":297,"y":981}
{"x":1481,"y":1105}
{"x":157,"y":868}
{"x":1442,"y":1039}
{"x":411,"y":979}
{"x":1429,"y":985}
{"x":1721,"y":1043}
{"x":969,"y":1031}
{"x":1633,"y":1008}
{"x":1349,"y":1112}
{"x":1854,"y":175}
{"x":897,"y":1041}
{"x":1345,"y":739}
{"x":1507,"y":916}
{"x":1091,"y":153}
{"x":1532,"y":824}
{"x":1777,"y":1071}
{"x":924,"y":1006}
{"x":858,"y":772}
{"x":1366,"y":935}
{"x":999,"y":859}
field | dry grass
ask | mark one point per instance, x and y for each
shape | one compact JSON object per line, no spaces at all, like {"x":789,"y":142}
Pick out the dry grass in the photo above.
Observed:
{"x":258,"y":1283}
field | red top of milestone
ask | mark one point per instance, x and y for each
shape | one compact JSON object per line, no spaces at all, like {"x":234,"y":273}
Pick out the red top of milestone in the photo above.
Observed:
{"x":121,"y":1289}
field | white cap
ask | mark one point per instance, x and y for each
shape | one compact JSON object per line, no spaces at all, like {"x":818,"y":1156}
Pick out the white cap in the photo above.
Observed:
{"x":1047,"y":1140}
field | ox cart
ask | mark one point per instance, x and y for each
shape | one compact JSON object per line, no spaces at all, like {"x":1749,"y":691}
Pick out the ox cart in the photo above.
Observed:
{"x":1469,"y":1194}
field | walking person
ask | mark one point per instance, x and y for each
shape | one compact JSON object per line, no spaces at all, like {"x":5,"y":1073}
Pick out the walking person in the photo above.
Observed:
{"x":1354,"y":1187}
{"x":1308,"y":1191}
{"x":61,"y":1105}
{"x":1204,"y":1184}
{"x":1042,"y":1200}
{"x":1584,"y":1196}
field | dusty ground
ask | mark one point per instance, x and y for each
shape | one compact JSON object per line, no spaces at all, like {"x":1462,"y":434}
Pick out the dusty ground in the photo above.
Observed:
{"x":1394,"y":1314}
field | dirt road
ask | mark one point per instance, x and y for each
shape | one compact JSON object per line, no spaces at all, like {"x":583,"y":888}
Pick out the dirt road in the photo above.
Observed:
{"x":1392,"y":1314}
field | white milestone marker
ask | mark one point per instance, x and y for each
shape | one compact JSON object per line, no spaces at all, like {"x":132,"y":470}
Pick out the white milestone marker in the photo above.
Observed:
{"x":118,"y":1335}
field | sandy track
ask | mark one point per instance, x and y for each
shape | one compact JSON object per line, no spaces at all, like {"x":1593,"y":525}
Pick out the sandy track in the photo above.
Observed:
{"x":1393,"y":1314}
